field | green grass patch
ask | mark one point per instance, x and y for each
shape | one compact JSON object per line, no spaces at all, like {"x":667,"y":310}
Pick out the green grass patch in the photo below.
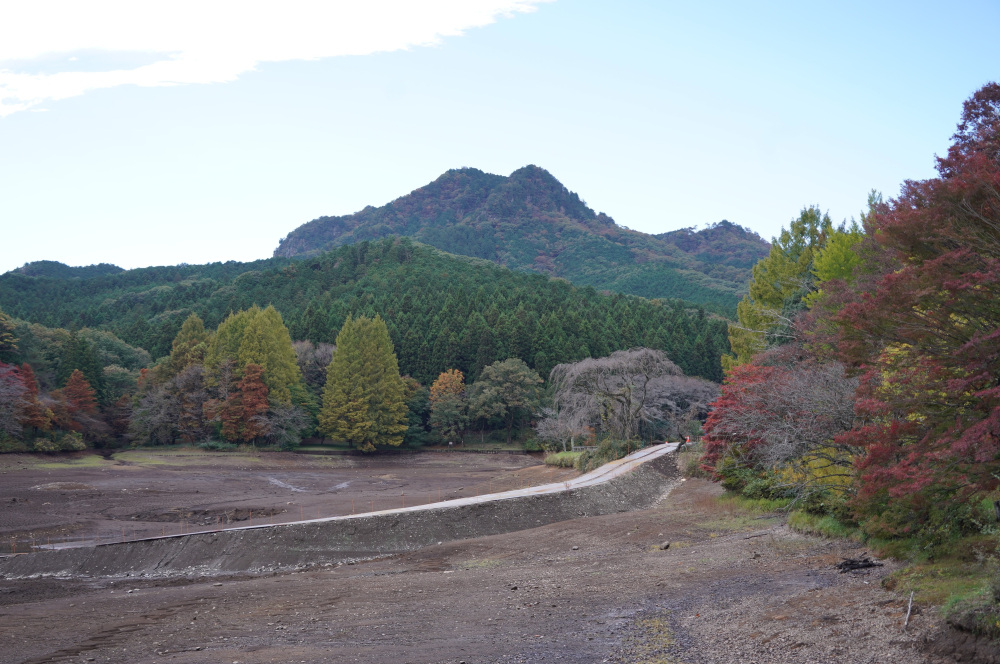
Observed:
{"x":185,"y":456}
{"x":752,"y":505}
{"x":562,"y":459}
{"x":325,"y":444}
{"x":63,"y":463}
{"x":822,"y":525}
{"x":945,"y":583}
{"x":736,"y":512}
{"x":482,"y":563}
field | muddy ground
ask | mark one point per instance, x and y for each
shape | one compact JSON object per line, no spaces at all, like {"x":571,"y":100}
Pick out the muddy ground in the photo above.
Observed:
{"x":143,"y":493}
{"x":731,"y":587}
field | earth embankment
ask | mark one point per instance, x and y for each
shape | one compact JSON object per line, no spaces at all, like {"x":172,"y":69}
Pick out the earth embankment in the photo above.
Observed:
{"x":330,"y":541}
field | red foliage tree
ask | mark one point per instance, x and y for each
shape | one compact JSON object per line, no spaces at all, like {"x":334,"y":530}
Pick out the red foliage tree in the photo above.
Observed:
{"x":62,"y":414}
{"x":253,"y":394}
{"x":243,"y":412}
{"x":925,"y":331}
{"x":721,"y":439}
{"x":36,"y":415}
{"x":80,"y":396}
{"x":229,"y":411}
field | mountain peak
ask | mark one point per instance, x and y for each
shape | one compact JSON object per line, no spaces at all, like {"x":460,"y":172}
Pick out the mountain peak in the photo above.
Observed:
{"x":530,"y":221}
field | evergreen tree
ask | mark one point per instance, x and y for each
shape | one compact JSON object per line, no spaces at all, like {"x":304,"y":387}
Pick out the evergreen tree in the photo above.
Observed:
{"x":364,"y":400}
{"x":256,"y":336}
{"x":79,"y":355}
{"x":267,"y":343}
{"x":448,"y":408}
{"x":780,"y":283}
{"x":508,"y":390}
{"x":8,"y":342}
{"x":189,"y":346}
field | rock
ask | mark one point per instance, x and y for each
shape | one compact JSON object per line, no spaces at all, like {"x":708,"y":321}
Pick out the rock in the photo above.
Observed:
{"x":664,"y":546}
{"x":576,"y":548}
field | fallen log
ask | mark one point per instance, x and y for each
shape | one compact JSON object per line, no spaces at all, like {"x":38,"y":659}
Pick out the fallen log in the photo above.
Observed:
{"x":852,"y":564}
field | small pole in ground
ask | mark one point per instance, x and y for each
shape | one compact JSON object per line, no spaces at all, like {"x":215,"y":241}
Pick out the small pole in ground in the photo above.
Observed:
{"x":352,"y":504}
{"x":402,"y":498}
{"x":908,"y":609}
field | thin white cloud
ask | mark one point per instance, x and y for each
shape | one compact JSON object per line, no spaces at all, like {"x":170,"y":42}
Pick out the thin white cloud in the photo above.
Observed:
{"x":206,"y":41}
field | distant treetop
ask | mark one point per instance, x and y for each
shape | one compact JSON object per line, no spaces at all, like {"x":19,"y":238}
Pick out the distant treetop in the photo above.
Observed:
{"x":57,"y":270}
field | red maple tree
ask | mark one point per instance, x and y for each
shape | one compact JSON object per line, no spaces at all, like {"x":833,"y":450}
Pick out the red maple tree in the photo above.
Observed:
{"x":36,"y":415}
{"x":80,"y":396}
{"x":923,"y":327}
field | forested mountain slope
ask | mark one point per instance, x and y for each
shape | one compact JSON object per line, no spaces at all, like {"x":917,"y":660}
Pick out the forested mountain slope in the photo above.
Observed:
{"x":530,"y":221}
{"x":443,"y":311}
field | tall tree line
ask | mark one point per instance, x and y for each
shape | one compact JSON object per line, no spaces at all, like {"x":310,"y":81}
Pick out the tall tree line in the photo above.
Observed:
{"x":442,"y":311}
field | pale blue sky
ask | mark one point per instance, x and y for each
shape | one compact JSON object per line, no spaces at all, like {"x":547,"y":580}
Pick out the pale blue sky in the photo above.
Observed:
{"x":661,"y":114}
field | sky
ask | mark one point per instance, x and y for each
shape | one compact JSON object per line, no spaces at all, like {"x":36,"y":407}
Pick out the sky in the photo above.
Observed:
{"x":158,"y":133}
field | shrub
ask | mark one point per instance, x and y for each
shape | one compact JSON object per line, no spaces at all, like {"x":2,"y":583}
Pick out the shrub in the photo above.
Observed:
{"x":607,"y":450}
{"x":562,"y":459}
{"x":218,"y":446}
{"x":532,"y":445}
{"x":11,"y":445}
{"x":45,"y":445}
{"x":72,"y":442}
{"x":689,"y":461}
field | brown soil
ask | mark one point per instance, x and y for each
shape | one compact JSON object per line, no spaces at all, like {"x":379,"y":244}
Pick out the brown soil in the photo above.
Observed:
{"x":731,"y":587}
{"x":140,"y":494}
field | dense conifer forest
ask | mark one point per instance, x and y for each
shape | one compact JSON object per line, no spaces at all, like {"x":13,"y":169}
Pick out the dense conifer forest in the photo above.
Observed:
{"x":442,"y":311}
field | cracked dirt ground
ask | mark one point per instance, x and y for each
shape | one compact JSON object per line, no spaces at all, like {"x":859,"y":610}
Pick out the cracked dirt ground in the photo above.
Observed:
{"x":732,"y":587}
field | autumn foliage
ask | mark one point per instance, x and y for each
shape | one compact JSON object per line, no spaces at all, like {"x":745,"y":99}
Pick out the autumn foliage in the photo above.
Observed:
{"x":917,"y":323}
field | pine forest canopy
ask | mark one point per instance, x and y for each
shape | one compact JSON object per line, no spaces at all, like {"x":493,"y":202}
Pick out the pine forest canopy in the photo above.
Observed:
{"x":442,"y":311}
{"x":530,"y":221}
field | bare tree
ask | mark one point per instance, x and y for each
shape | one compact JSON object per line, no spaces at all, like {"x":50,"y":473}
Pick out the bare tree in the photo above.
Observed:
{"x":624,"y":391}
{"x":788,"y":416}
{"x":313,"y":360}
{"x":154,"y":419}
{"x":285,"y":425}
{"x":12,"y":401}
{"x":563,"y":426}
